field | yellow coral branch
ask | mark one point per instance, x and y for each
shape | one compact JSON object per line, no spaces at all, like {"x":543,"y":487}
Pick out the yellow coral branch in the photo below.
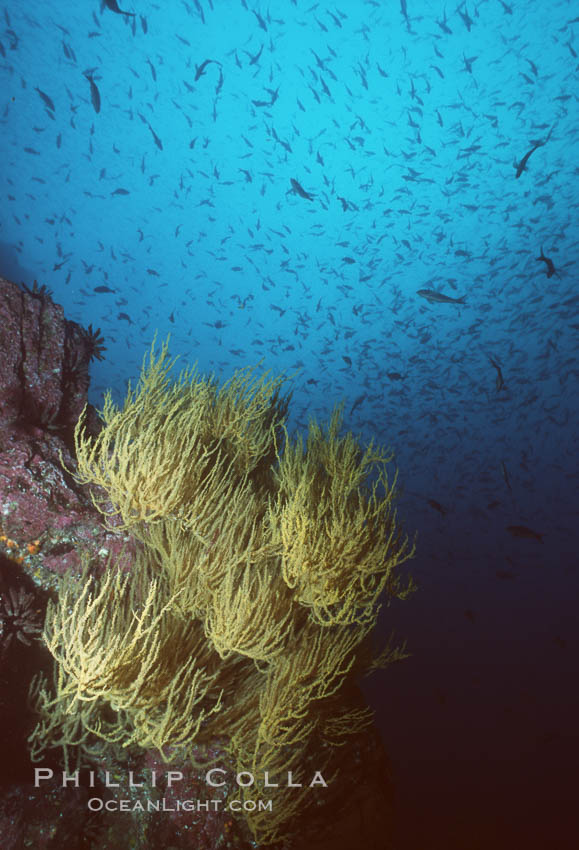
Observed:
{"x":247,"y":613}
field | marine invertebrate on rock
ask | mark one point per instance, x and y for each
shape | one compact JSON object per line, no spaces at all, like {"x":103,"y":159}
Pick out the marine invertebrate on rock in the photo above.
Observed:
{"x":339,"y":540}
{"x":225,"y":438}
{"x":118,"y":641}
{"x":95,"y":343}
{"x":19,"y":617}
{"x":41,"y":292}
{"x":250,"y":608}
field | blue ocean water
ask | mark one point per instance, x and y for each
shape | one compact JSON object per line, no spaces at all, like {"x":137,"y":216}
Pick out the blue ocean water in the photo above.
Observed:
{"x":296,"y":184}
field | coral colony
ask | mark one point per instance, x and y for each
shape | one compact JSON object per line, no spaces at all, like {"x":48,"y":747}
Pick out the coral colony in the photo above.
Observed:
{"x":248,"y":610}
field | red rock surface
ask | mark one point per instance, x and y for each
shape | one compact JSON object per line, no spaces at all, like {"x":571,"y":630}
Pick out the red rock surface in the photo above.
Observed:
{"x":45,"y":518}
{"x":44,"y":361}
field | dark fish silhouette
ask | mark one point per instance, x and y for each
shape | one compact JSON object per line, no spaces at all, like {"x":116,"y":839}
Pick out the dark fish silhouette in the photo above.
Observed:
{"x":157,"y":140}
{"x":199,"y":8}
{"x":522,"y":165}
{"x":500,"y":379}
{"x":437,"y":506}
{"x":95,"y":95}
{"x":357,"y":401}
{"x":260,"y":21}
{"x":298,"y":189}
{"x":439,"y":298}
{"x":114,"y":7}
{"x":524,"y":533}
{"x":47,"y":100}
{"x":466,"y":19}
{"x":444,"y":26}
{"x":200,"y":69}
{"x":551,"y":270}
{"x":255,"y":57}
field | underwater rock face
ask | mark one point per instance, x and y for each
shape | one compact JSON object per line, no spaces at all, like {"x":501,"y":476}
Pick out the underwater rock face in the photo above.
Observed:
{"x":44,"y":360}
{"x":32,"y":334}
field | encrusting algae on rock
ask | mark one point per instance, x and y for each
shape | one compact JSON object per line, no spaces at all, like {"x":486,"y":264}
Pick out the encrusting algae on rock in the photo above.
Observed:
{"x":249,"y":610}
